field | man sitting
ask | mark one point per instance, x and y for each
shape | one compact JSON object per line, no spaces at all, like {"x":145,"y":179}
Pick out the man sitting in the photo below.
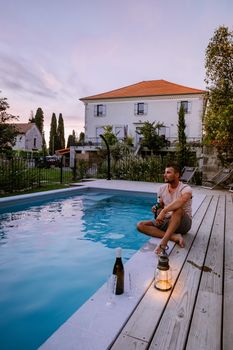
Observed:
{"x":175,"y":216}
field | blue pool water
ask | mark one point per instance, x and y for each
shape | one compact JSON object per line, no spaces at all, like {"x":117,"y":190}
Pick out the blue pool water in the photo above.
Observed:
{"x":54,"y":255}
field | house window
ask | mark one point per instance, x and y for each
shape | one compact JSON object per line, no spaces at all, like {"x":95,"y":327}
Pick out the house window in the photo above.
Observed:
{"x":99,"y":131}
{"x":140,"y":108}
{"x":119,"y":132}
{"x":186,"y":105}
{"x":162,"y":131}
{"x":138,"y":135}
{"x":34,"y":142}
{"x":99,"y":110}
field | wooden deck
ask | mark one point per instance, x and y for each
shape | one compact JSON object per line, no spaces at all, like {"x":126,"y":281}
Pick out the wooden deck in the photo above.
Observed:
{"x":198,"y":312}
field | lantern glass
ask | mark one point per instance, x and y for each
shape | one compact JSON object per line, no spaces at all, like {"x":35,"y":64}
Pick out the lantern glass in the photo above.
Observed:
{"x":163,"y":276}
{"x":163,"y":280}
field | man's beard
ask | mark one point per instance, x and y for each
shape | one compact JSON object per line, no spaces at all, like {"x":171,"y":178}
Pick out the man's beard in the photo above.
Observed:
{"x":169,"y":181}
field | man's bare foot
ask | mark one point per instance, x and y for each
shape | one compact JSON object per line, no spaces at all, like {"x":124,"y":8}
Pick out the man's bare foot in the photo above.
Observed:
{"x":177,"y":237}
{"x":180,"y":240}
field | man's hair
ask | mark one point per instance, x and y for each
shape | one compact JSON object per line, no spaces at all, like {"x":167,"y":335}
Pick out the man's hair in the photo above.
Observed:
{"x":175,"y":166}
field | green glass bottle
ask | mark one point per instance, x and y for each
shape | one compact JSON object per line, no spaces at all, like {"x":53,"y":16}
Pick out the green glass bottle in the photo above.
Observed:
{"x":118,"y":271}
{"x":156,"y":208}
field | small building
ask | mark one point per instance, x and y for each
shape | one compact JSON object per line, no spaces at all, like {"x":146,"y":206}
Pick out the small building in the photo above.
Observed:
{"x":29,"y":137}
{"x":127,"y":109}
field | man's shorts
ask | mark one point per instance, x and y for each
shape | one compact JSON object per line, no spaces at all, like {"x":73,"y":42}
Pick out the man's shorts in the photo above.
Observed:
{"x":185,"y":225}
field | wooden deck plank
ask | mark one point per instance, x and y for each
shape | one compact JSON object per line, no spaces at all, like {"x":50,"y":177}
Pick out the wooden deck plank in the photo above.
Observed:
{"x":228,"y":278}
{"x":205,"y":330}
{"x":173,"y":328}
{"x":125,"y":342}
{"x":142,"y":323}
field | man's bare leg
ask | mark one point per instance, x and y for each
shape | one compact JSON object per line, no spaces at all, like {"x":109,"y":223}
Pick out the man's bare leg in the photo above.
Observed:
{"x":174,"y":223}
{"x":149,"y":229}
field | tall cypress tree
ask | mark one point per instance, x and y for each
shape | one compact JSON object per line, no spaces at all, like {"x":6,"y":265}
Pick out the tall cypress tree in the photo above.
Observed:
{"x":181,"y":127}
{"x":183,"y":149}
{"x":53,"y":135}
{"x":61,"y":132}
{"x":39,"y":120}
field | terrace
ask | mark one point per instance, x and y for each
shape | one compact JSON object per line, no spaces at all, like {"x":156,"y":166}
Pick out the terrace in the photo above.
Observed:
{"x":195,"y":314}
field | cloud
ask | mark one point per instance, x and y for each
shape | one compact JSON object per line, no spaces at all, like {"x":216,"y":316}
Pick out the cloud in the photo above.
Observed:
{"x":21,"y":75}
{"x":49,"y":80}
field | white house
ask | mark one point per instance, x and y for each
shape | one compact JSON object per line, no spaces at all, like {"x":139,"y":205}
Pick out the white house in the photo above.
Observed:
{"x":127,"y":108}
{"x":29,"y":137}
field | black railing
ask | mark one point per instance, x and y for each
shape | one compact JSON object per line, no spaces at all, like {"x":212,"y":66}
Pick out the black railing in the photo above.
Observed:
{"x":19,"y":174}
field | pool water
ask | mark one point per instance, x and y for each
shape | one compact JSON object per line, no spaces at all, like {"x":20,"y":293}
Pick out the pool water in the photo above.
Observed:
{"x":54,"y":255}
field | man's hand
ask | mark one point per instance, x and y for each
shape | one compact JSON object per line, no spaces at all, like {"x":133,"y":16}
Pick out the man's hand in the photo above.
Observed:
{"x":153,"y":209}
{"x":160,"y":247}
{"x":160,"y":217}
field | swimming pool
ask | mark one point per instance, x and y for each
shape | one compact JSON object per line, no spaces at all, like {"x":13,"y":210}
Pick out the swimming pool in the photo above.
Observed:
{"x":55,"y":254}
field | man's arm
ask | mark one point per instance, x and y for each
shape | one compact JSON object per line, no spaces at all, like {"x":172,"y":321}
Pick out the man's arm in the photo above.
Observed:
{"x":176,"y":204}
{"x":161,"y":202}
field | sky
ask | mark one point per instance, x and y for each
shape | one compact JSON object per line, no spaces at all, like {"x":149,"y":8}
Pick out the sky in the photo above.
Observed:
{"x":54,"y":52}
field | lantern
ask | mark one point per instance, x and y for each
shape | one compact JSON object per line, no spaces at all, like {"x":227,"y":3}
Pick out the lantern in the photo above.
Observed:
{"x":163,"y":278}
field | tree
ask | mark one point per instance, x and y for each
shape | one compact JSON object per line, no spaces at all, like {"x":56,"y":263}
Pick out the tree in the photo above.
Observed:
{"x":60,"y":133}
{"x":7,"y":131}
{"x":72,"y":140}
{"x":81,"y":137}
{"x":53,"y":135}
{"x":39,"y":120}
{"x":109,"y":135}
{"x":151,"y":137}
{"x":32,"y":118}
{"x":219,"y":78}
{"x":183,"y":151}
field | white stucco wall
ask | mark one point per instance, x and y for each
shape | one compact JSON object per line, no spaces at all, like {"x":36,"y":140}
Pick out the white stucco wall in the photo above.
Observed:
{"x":32,"y":134}
{"x":20,"y":142}
{"x":120,"y":112}
{"x":26,"y":141}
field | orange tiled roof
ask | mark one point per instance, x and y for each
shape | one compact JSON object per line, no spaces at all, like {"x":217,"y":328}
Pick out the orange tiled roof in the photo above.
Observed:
{"x":22,"y":128}
{"x":146,"y":88}
{"x":63,"y":151}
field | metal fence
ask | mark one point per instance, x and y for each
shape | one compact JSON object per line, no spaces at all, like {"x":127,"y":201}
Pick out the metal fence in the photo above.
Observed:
{"x":22,"y":174}
{"x":19,"y":174}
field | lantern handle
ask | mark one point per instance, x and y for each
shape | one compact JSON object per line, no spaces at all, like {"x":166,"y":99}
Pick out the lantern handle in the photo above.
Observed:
{"x":164,"y":248}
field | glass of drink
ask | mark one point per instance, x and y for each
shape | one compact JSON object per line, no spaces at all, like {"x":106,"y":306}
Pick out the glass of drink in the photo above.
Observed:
{"x":111,"y":290}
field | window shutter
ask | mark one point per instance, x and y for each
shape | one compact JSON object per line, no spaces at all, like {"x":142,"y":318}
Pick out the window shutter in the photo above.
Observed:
{"x":104,"y":110}
{"x":95,"y":110}
{"x":135,"y":108}
{"x":145,"y":108}
{"x":178,"y":106}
